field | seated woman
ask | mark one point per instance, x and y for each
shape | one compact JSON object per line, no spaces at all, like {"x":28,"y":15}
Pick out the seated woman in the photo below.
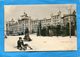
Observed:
{"x":27,"y":37}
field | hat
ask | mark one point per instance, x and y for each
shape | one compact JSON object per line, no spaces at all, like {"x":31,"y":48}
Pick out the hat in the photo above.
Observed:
{"x":20,"y":38}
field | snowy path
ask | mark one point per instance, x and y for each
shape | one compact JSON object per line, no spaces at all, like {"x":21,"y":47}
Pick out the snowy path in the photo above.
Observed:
{"x":43,"y":43}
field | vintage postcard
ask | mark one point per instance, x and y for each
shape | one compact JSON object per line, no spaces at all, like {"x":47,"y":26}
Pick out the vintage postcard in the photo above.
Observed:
{"x":41,"y":27}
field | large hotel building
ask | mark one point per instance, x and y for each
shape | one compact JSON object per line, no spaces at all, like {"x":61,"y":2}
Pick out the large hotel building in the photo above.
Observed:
{"x":19,"y":26}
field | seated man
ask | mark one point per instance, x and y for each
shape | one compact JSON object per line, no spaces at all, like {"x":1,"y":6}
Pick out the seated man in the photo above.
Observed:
{"x":21,"y":45}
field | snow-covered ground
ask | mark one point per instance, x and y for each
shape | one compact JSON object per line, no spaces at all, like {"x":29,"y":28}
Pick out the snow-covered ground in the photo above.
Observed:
{"x":41,"y":43}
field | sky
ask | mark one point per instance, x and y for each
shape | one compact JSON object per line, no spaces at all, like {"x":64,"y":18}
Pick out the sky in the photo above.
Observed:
{"x":35,"y":11}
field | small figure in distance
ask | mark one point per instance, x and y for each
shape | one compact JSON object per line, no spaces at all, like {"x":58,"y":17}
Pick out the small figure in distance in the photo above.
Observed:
{"x":6,"y":36}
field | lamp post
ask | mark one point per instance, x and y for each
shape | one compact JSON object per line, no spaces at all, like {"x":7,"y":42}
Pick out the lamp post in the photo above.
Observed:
{"x":70,"y":21}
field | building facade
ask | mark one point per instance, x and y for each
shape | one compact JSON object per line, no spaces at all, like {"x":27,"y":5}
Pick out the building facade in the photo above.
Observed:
{"x":18,"y":28}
